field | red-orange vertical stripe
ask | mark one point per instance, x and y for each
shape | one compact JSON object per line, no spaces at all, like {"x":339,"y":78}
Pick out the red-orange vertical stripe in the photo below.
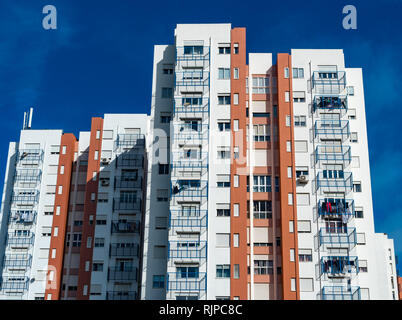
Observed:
{"x":290,"y":269}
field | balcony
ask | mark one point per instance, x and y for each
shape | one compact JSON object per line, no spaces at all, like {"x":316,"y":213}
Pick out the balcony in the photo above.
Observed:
{"x":123,"y":204}
{"x":329,"y":82}
{"x":331,"y":130}
{"x":336,"y":208}
{"x":117,"y":250}
{"x":191,"y":106}
{"x":192,"y":57}
{"x":121,"y":226}
{"x":128,"y":183}
{"x":22,"y":217}
{"x":182,"y":193}
{"x":30,"y":197}
{"x":333,"y":154}
{"x":337,"y":237}
{"x":29,"y":157}
{"x":17,"y":261}
{"x":176,"y":281}
{"x":28,"y":175}
{"x":19,"y":241}
{"x":126,"y":273}
{"x":338,"y":181}
{"x":130,"y":160}
{"x":130,"y":141}
{"x":14,"y":285}
{"x":339,"y":266}
{"x":187,"y":250}
{"x":188,"y":223}
{"x":121,"y":295}
{"x":330,"y":103}
{"x":340,"y":293}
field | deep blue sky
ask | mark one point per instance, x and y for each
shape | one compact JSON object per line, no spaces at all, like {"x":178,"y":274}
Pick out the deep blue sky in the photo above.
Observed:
{"x":99,"y":60}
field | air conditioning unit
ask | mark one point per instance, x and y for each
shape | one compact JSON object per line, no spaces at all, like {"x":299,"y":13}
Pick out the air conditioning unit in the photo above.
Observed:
{"x":303,"y":179}
{"x":104,"y":182}
{"x":105,"y":160}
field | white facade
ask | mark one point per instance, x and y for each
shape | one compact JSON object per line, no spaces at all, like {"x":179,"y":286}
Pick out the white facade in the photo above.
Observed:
{"x":27,"y":213}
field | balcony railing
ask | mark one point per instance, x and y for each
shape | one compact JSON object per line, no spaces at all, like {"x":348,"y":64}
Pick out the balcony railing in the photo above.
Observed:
{"x":17,"y":261}
{"x":28,"y":175}
{"x":22,"y":216}
{"x":342,"y":183}
{"x":199,"y":53}
{"x":339,"y":266}
{"x":116,"y":250}
{"x":122,"y":204}
{"x":189,"y":107}
{"x":333,"y":154}
{"x":338,"y":237}
{"x":128,"y":182}
{"x":130,"y":140}
{"x":187,"y":249}
{"x":340,"y":293}
{"x":29,"y":156}
{"x":121,"y":295}
{"x":14,"y":284}
{"x":325,"y":82}
{"x":331,"y":129}
{"x":178,"y":221}
{"x":30,"y":198}
{"x":130,"y":160}
{"x":184,"y":193}
{"x":330,"y":103}
{"x":126,"y":273}
{"x":190,"y":282}
{"x":13,"y":240}
{"x":125,"y":226}
{"x":336,"y":208}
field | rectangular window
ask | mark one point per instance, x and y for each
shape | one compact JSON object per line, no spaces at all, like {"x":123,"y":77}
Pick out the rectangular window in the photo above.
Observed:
{"x":223,"y":210}
{"x":61,"y":169}
{"x":299,"y":96}
{"x":300,"y":121}
{"x":224,"y":99}
{"x":261,"y":184}
{"x":261,"y":132}
{"x":224,"y":73}
{"x":158,"y":281}
{"x":290,"y":199}
{"x":262,"y":209}
{"x":223,"y":152}
{"x":236,"y":125}
{"x":223,"y":270}
{"x":236,"y":271}
{"x":235,"y":73}
{"x":288,"y":121}
{"x":224,"y":48}
{"x":287,"y":96}
{"x":163,"y":168}
{"x":298,"y":73}
{"x":224,"y":125}
{"x":292,"y":255}
{"x":236,"y":209}
{"x":236,"y":99}
{"x":162,"y":195}
{"x":301,"y":146}
{"x":303,"y":199}
{"x":64,"y":150}
{"x":263,"y":267}
{"x":236,"y":181}
{"x":223,"y":240}
{"x":286,"y":73}
{"x":357,"y":186}
{"x":167,"y":92}
{"x":350,"y":90}
{"x":96,"y":155}
{"x":236,"y":240}
{"x":305,"y":255}
{"x":304,"y":226}
{"x":306,"y":284}
{"x":193,"y":50}
{"x":352,"y":114}
{"x":235,"y":48}
{"x":353,"y":137}
{"x":260,"y":85}
{"x":288,"y":146}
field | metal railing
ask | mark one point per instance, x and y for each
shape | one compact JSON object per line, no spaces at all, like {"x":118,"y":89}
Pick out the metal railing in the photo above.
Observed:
{"x":187,"y":249}
{"x":183,"y":193}
{"x":331,"y":129}
{"x":126,"y":273}
{"x":22,"y":216}
{"x":333,"y":154}
{"x":125,"y":226}
{"x":122,"y":204}
{"x":130,"y":140}
{"x":15,"y":284}
{"x":121,"y":295}
{"x":128,"y":182}
{"x":340,"y":293}
{"x":192,"y":282}
{"x":339,"y":266}
{"x":178,"y":221}
{"x":329,"y":82}
{"x":337,"y":237}
{"x":12,"y":261}
{"x":336,"y":208}
{"x":130,"y":160}
{"x":344,"y":183}
{"x":29,"y":156}
{"x":130,"y":251}
{"x":16,"y":240}
{"x":330,"y":102}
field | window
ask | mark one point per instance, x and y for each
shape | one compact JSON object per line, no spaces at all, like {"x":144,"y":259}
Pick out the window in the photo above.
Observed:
{"x":353,"y":137}
{"x":167,"y":92}
{"x":235,"y":73}
{"x":261,"y":184}
{"x":236,"y":181}
{"x":224,"y":125}
{"x":163,"y":168}
{"x":290,"y":199}
{"x":293,"y":284}
{"x":299,"y":96}
{"x":167,"y":69}
{"x":263,"y":267}
{"x":224,"y":99}
{"x":53,"y":253}
{"x":236,"y":48}
{"x":350,"y":90}
{"x":352,"y":114}
{"x":99,"y":242}
{"x":236,"y":240}
{"x":360,"y":238}
{"x":276,"y":184}
{"x":261,"y":132}
{"x":158,"y":281}
{"x":291,"y":226}
{"x":223,"y":271}
{"x":305,"y":255}
{"x":359,"y":213}
{"x":236,"y":99}
{"x":298,"y":73}
{"x":224,"y":48}
{"x":292,"y":255}
{"x":161,"y":223}
{"x":306,"y":284}
{"x":286,"y":73}
{"x":287,"y":96}
{"x":61,"y":169}
{"x":261,"y":114}
{"x":193,"y":50}
{"x":236,"y":209}
{"x":89,"y":242}
{"x":107,"y":134}
{"x":288,"y":121}
{"x":301,"y":171}
{"x":224,"y":73}
{"x":166,"y":118}
{"x":236,"y":125}
{"x":303,"y":226}
{"x":363,"y":266}
{"x":260,"y":85}
{"x":223,"y":240}
{"x":262,"y":209}
{"x":187,"y":101}
{"x":160,"y":252}
{"x":357,"y":186}
{"x":223,"y":210}
{"x":60,"y":190}
{"x":300,"y":121}
{"x":97,"y":266}
{"x":236,"y":271}
{"x":288,"y":146}
{"x":223,"y":152}
{"x":162,"y":195}
{"x":289,"y":172}
{"x":303,"y":199}
{"x":301,"y":146}
{"x":77,"y":223}
{"x":236,"y":152}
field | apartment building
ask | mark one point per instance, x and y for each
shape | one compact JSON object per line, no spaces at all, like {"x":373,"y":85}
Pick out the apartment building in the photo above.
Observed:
{"x":250,"y":180}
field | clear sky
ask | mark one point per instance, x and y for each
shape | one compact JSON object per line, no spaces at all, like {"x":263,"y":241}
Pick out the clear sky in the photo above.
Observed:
{"x":99,"y":60}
